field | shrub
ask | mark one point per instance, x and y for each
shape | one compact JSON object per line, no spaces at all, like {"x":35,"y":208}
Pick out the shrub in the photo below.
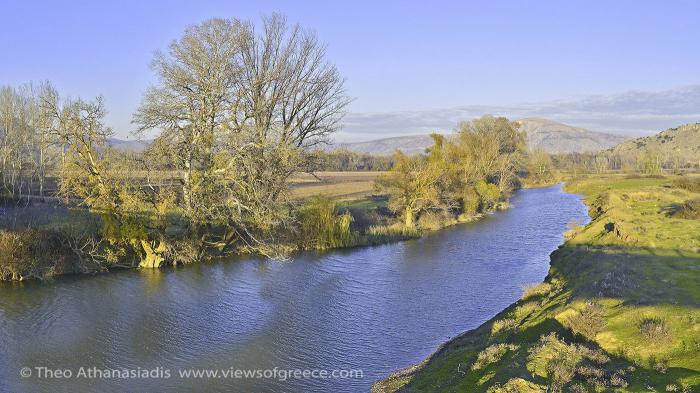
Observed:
{"x":488,"y":194}
{"x":431,"y":221}
{"x":589,"y":321}
{"x":516,"y":385}
{"x":618,"y":381}
{"x":687,"y":183}
{"x":654,"y":329}
{"x":323,"y":226}
{"x":590,"y":372}
{"x":493,"y":354}
{"x":578,"y":388}
{"x":563,"y":361}
{"x":690,"y":210}
{"x":33,"y":254}
{"x":561,"y":368}
{"x":594,"y":355}
{"x":659,"y":364}
{"x":503,"y":325}
{"x":470,"y":202}
{"x":526,"y":309}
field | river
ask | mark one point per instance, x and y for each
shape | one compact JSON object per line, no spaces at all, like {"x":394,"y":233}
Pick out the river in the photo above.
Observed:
{"x":374,"y":309}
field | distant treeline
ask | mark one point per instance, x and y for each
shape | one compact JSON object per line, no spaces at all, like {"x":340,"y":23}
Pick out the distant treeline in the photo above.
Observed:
{"x":345,"y":160}
{"x":642,"y":161}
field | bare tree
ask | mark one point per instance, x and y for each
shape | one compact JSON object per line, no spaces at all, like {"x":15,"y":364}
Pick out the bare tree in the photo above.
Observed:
{"x":26,"y":146}
{"x":235,"y":110}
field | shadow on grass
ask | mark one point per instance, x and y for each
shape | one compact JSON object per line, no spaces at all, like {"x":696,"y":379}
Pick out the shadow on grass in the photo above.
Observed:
{"x":635,"y":276}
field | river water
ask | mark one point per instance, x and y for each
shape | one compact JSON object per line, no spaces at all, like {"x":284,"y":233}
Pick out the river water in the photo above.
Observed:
{"x":374,"y":309}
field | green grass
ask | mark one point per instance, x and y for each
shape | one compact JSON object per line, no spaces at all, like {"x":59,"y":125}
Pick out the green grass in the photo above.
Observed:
{"x":619,"y":310}
{"x":365,"y":203}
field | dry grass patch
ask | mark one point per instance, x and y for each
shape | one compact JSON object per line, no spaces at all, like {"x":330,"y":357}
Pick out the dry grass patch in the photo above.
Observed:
{"x":537,"y":290}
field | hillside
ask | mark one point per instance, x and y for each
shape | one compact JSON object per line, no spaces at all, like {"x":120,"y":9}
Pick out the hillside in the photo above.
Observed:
{"x":128,"y":145}
{"x":683,"y":142}
{"x":543,"y":134}
{"x":410,"y":144}
{"x":555,"y":137}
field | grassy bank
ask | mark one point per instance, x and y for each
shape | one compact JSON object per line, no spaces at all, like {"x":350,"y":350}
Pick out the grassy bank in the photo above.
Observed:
{"x":619,"y":310}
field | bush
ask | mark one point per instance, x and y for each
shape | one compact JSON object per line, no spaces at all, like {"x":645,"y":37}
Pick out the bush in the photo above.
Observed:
{"x":687,"y":183}
{"x":578,"y":388}
{"x":659,"y":364}
{"x":488,"y":194}
{"x":690,"y":210}
{"x":618,"y":381}
{"x":516,"y":385}
{"x":562,"y":368}
{"x":33,"y":254}
{"x":589,"y":321}
{"x":323,"y":226}
{"x":431,"y":221}
{"x":526,"y":309}
{"x":503,"y":325}
{"x":493,"y":354}
{"x":563,"y":362}
{"x":470,"y":202}
{"x":654,"y":329}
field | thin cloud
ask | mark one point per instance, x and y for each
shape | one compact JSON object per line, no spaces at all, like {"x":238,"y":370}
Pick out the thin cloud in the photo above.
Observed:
{"x":632,"y":113}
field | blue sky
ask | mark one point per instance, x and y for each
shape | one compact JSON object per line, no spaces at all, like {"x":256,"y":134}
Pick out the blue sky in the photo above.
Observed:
{"x":397,"y":56}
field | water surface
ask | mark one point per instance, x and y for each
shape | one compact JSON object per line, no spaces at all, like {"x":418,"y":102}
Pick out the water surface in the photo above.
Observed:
{"x":376,"y":309}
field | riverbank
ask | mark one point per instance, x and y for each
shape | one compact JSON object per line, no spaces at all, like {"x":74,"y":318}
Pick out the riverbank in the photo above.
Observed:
{"x":619,"y":310}
{"x":48,"y":240}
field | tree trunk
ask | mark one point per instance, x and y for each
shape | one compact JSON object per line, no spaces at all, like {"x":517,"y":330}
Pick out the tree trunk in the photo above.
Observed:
{"x":409,"y":218}
{"x":154,"y":257}
{"x":186,"y":184}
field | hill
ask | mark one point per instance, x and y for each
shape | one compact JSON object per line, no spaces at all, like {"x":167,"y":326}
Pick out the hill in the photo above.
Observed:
{"x":681,"y":142}
{"x":555,"y":137}
{"x":543,"y":134}
{"x":410,"y":144}
{"x":126,"y":145}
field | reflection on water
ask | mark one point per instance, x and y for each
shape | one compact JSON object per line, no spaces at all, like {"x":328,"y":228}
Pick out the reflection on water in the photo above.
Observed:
{"x":376,"y":309}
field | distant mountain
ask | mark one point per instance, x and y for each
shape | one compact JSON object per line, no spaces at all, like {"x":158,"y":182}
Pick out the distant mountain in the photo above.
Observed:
{"x":683,"y":141}
{"x":125,"y":145}
{"x":543,"y":134}
{"x":555,"y":137}
{"x":411,"y":144}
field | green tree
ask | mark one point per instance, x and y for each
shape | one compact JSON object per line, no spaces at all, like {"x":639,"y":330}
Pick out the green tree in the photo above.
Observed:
{"x":412,"y":185}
